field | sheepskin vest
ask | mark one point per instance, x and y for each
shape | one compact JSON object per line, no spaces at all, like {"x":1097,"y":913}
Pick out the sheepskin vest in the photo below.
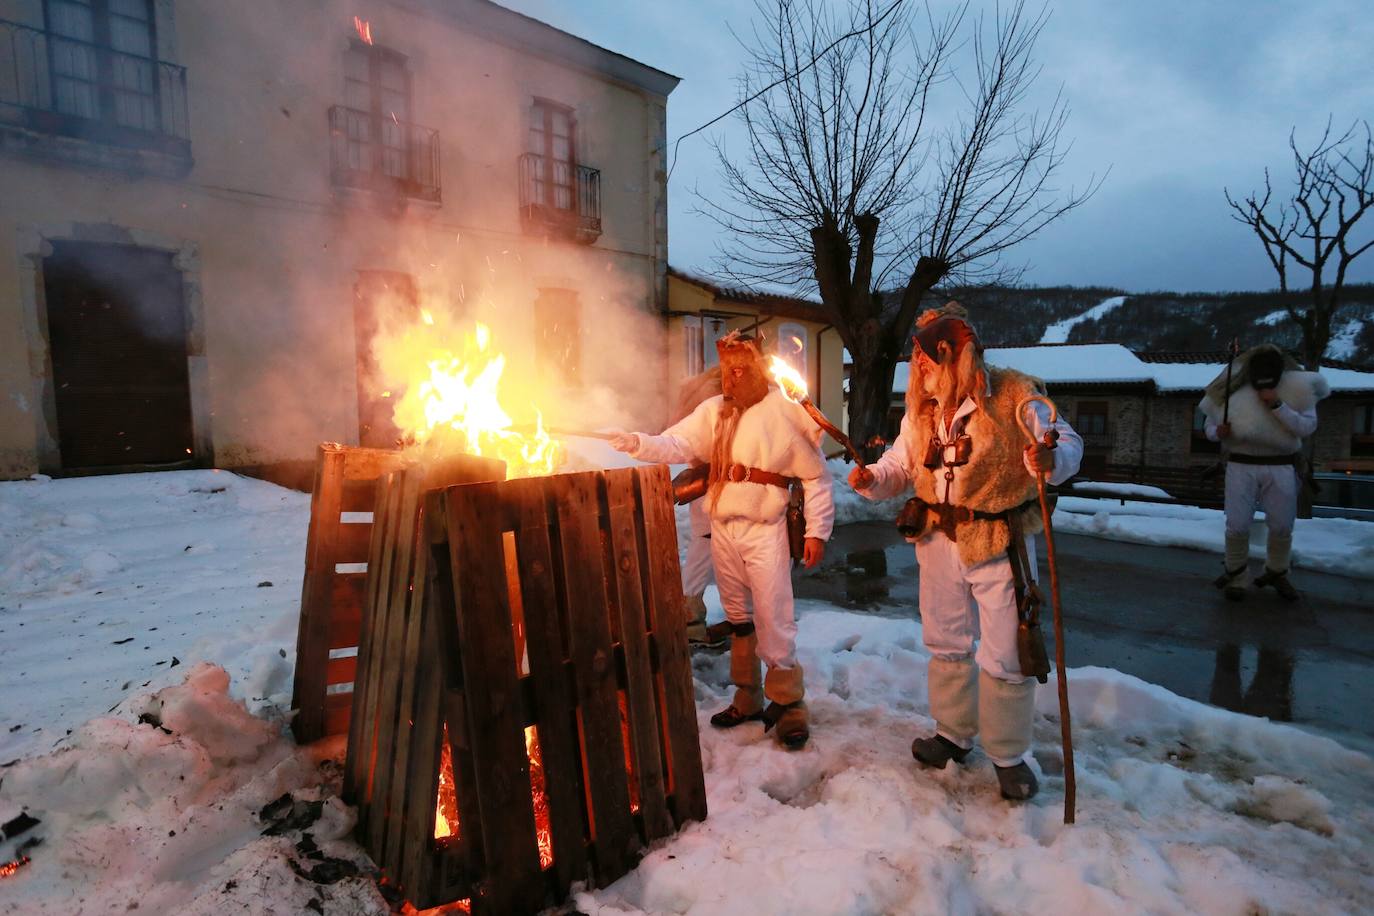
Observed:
{"x":995,"y":478}
{"x":1255,"y":430}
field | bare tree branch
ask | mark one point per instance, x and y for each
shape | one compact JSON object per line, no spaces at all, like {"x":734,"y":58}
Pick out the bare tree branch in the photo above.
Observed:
{"x":1333,"y":190}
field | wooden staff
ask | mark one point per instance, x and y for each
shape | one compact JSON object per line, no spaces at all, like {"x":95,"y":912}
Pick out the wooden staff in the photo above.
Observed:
{"x":1065,"y":726}
{"x":1234,"y":350}
{"x":563,"y":431}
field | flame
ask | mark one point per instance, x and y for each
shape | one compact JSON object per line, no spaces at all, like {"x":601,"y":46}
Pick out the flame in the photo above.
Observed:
{"x":792,"y":382}
{"x":363,"y":28}
{"x":446,"y":822}
{"x":453,"y":396}
{"x":446,"y":806}
{"x":11,"y":867}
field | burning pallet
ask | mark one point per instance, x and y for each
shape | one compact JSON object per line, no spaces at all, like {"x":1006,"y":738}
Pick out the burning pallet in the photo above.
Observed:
{"x":523,"y":714}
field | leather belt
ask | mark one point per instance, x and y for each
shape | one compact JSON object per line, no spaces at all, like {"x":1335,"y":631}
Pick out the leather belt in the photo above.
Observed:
{"x":1239,"y":458}
{"x":739,"y":473}
{"x":949,"y":516}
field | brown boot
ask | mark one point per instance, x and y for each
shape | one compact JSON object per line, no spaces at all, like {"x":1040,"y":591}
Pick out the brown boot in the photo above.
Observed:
{"x":786,"y":711}
{"x":747,"y":677}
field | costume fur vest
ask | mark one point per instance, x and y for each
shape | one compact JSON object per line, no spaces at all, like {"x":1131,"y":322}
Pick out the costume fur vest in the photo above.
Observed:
{"x":995,"y":478}
{"x":1255,"y":430}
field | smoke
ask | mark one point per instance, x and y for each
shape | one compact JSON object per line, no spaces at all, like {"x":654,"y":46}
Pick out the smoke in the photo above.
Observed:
{"x":285,"y":293}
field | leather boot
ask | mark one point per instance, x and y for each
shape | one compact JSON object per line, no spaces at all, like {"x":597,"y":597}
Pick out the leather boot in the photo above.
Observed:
{"x":953,"y":688}
{"x":1006,"y":713}
{"x":786,"y":709}
{"x":747,"y":677}
{"x":1235,"y":575}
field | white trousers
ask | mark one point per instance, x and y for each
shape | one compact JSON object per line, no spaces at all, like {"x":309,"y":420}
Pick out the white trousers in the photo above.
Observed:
{"x":970,"y":610}
{"x":754,"y":576}
{"x":1271,"y":487}
{"x":696,"y":567}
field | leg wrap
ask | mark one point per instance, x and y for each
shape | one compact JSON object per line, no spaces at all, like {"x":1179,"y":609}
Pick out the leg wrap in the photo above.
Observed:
{"x":1278,"y":551}
{"x":1005,"y":715}
{"x":745,"y":672}
{"x":1238,"y":557}
{"x":953,"y":688}
{"x":784,"y":685}
{"x":695,"y":609}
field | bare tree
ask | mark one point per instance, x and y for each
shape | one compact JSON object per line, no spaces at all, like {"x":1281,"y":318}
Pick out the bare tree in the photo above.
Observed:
{"x":1315,"y":228}
{"x":843,"y":189}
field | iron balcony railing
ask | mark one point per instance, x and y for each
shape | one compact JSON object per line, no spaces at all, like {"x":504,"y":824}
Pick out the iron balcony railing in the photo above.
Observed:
{"x":58,"y":85}
{"x":383,"y":153}
{"x":561,"y":197}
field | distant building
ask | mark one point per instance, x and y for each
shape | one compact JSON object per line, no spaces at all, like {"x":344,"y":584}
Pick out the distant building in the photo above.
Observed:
{"x":1141,"y":408}
{"x":206,"y":209}
{"x":701,"y":311}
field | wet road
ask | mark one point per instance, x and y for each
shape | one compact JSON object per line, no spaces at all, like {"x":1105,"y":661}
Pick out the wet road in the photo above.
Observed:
{"x":1152,"y":612}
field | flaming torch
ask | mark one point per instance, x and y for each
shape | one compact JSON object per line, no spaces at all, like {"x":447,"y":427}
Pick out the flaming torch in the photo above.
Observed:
{"x":793,"y":387}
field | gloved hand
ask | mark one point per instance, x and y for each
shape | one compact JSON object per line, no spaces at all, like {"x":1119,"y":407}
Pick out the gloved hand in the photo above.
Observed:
{"x":861,"y":478}
{"x":622,"y":441}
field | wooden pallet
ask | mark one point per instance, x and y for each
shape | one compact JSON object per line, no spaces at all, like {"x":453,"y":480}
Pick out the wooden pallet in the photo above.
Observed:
{"x":332,"y":599}
{"x":553,"y":603}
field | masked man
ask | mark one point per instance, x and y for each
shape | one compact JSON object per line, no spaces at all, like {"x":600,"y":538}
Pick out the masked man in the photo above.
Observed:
{"x":756,"y":441}
{"x":1272,"y":408}
{"x":963,"y":449}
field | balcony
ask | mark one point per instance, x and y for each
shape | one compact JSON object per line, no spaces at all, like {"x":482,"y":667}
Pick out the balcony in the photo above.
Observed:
{"x":63,"y":98}
{"x":384,"y":154}
{"x":559,"y":198}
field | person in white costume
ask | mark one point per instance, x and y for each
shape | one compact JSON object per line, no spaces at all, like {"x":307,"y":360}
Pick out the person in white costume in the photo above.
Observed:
{"x":756,"y":441}
{"x":963,"y":450}
{"x":1272,"y":408}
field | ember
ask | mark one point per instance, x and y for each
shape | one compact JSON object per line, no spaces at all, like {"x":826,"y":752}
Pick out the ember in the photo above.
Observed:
{"x":10,"y":868}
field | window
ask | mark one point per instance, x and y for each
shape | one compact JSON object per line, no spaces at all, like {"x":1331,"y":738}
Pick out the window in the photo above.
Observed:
{"x":693,"y":357}
{"x":1362,"y":431}
{"x":1092,"y":418}
{"x":1362,"y":423}
{"x":791,"y":346}
{"x":103,"y":61}
{"x":377,"y":89}
{"x":558,"y":335}
{"x":1199,"y":443}
{"x":553,"y":142}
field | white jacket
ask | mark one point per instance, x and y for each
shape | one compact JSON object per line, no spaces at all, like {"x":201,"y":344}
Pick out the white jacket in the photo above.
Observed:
{"x":773,"y":435}
{"x":1258,"y":430}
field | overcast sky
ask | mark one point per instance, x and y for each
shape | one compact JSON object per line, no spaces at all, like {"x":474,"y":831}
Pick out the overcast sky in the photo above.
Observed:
{"x":1178,"y":98}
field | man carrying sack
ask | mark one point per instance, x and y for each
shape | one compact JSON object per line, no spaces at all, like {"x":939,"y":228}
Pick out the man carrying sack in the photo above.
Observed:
{"x":1271,"y":406}
{"x":973,"y":521}
{"x":756,"y":442}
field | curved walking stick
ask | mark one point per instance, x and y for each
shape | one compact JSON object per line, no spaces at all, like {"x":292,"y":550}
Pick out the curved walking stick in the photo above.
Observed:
{"x":1065,"y":725}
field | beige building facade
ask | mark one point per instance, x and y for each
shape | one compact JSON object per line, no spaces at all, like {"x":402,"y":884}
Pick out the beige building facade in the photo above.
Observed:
{"x":208,"y":209}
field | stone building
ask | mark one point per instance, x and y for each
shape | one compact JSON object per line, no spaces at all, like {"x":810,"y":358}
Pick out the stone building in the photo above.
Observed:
{"x":207,"y":209}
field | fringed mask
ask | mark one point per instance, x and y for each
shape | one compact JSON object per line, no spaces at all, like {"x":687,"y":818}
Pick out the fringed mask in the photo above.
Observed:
{"x":743,"y":379}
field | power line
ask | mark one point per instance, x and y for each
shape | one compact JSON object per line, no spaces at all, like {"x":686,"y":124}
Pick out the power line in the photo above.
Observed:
{"x":780,"y":80}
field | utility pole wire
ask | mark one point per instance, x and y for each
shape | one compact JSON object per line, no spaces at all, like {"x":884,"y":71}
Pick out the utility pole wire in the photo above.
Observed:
{"x":780,"y":80}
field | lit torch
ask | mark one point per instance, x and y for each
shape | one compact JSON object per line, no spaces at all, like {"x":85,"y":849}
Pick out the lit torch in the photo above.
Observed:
{"x":794,"y":389}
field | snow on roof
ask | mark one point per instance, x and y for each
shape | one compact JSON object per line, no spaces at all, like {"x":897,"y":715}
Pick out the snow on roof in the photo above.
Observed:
{"x":1116,"y":364}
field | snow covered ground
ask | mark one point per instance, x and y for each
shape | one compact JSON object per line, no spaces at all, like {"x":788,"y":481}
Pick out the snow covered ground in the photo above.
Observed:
{"x":178,"y":790}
